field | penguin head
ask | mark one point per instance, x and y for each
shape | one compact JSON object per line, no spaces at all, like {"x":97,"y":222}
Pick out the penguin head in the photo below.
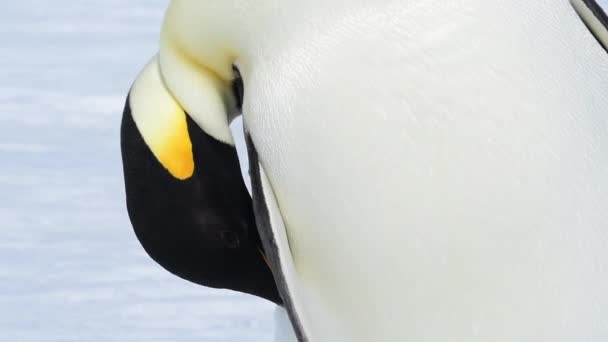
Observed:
{"x":186,"y":198}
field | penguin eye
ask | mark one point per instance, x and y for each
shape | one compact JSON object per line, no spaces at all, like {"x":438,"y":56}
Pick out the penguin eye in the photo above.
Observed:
{"x":230,"y":239}
{"x":594,"y":16}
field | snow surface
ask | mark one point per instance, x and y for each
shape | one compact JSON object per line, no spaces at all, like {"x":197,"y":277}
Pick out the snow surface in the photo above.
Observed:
{"x":70,"y":266}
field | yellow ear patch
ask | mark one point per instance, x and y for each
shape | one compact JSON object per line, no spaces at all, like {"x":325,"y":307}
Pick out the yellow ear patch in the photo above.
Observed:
{"x":162,"y":122}
{"x":174,"y":149}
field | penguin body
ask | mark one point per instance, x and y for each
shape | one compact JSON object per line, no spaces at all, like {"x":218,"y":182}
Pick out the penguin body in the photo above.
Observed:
{"x":422,"y":171}
{"x":440,"y":172}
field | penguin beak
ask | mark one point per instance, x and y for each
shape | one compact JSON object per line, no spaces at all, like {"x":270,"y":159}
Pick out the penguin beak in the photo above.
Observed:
{"x":186,"y":198}
{"x":264,"y":257}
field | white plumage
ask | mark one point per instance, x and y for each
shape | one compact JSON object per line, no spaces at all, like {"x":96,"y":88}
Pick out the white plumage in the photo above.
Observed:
{"x":440,"y":168}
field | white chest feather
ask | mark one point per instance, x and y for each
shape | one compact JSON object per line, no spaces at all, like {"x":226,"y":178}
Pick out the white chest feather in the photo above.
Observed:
{"x":441,"y":171}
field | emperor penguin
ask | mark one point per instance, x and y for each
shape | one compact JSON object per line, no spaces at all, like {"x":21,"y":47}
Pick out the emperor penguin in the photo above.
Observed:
{"x":421,"y":170}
